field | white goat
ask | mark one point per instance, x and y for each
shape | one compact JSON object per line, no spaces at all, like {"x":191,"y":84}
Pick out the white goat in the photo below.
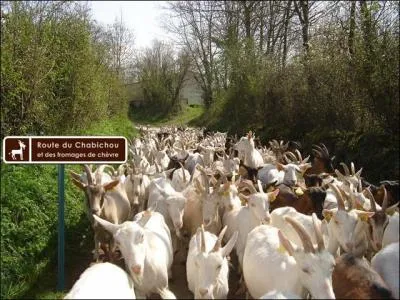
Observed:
{"x":278,"y":220}
{"x":294,"y":271}
{"x":342,"y":224}
{"x":248,"y":217}
{"x":103,"y":281}
{"x":146,"y":247}
{"x":207,"y":268}
{"x":386,"y":264}
{"x":106,"y":200}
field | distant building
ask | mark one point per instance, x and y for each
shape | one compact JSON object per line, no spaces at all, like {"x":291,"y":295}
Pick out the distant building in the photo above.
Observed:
{"x":191,"y":92}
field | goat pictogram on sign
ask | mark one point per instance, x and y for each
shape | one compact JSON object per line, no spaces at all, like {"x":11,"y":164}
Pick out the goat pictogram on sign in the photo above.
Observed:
{"x":16,"y":149}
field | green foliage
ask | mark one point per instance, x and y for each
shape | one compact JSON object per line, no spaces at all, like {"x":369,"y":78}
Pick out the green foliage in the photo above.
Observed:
{"x":55,"y":75}
{"x":28,"y":224}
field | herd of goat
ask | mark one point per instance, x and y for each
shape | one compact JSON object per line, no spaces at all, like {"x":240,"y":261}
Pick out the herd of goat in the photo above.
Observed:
{"x":298,"y":229}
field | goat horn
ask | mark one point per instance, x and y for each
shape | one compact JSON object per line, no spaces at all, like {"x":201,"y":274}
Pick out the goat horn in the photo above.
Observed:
{"x":324,"y":149}
{"x":217,"y":245}
{"x":385,"y":200}
{"x":319,"y":149}
{"x":345,"y":168}
{"x":298,"y":154}
{"x":339,"y":196}
{"x":88,"y":174}
{"x":359,"y":187}
{"x":339,"y":175}
{"x":206,"y":183}
{"x":288,"y":161}
{"x":371,"y":198}
{"x":292,"y":156}
{"x":203,"y":239}
{"x":316,"y":153}
{"x":250,"y":185}
{"x":353,"y":170}
{"x":304,"y":236}
{"x":318,"y":233}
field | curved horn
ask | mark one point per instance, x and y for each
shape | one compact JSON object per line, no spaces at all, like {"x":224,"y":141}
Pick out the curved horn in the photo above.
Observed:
{"x":324,"y":150}
{"x":203,"y":239}
{"x":371,"y":199}
{"x":345,"y":168}
{"x":339,"y":197}
{"x":293,"y":157}
{"x":217,"y":245}
{"x":206,"y":182}
{"x":299,"y":155}
{"x":353,"y":169}
{"x":318,"y":232}
{"x":250,"y":185}
{"x":88,"y":174}
{"x":304,"y":236}
{"x":316,"y":153}
{"x":339,"y":175}
{"x":385,"y":200}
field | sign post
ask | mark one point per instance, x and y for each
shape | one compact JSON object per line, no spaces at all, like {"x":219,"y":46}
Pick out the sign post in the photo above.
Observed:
{"x":61,"y":225}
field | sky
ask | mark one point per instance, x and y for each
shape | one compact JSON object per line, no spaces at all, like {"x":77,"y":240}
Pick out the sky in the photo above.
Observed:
{"x":142,"y":17}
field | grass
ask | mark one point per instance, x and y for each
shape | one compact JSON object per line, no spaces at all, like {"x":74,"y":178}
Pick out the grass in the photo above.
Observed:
{"x":117,"y":126}
{"x":29,"y":224}
{"x":185,"y":117}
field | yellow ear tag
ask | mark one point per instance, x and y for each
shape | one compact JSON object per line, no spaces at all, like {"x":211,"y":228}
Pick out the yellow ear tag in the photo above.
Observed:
{"x":299,"y":192}
{"x":225,"y":194}
{"x":272,"y":197}
{"x":327,"y":217}
{"x":281,"y":249}
{"x":363,"y":218}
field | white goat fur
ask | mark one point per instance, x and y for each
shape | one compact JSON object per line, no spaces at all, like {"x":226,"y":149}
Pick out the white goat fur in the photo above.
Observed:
{"x":386,"y":264}
{"x":146,"y":247}
{"x":103,"y":281}
{"x":283,"y":272}
{"x":207,"y":272}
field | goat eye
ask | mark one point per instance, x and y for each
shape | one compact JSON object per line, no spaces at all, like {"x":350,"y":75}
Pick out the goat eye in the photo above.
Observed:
{"x":252,"y":204}
{"x":219,"y":267}
{"x":306,"y":270}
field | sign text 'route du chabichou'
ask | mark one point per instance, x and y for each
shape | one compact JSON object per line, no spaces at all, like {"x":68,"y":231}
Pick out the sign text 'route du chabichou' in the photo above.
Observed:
{"x":64,"y":149}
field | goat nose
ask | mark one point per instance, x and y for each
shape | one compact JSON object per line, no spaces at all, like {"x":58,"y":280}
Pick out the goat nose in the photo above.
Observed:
{"x":95,"y":210}
{"x":203,"y":291}
{"x":206,"y":221}
{"x":379,"y":245}
{"x":136,"y":269}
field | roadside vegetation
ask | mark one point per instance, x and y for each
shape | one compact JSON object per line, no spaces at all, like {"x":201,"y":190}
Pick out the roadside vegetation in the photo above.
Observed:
{"x":59,"y":76}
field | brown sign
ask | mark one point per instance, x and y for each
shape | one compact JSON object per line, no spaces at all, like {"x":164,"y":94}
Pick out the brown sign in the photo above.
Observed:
{"x":66,"y":149}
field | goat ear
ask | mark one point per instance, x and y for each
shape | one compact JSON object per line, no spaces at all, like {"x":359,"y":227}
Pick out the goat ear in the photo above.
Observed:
{"x":392,"y":209}
{"x":79,"y":183}
{"x":226,"y":250}
{"x":364,"y":215}
{"x":272,"y":195}
{"x":327,"y":213}
{"x":110,"y":185}
{"x":280,"y":167}
{"x":285,"y":244}
{"x":110,"y":227}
